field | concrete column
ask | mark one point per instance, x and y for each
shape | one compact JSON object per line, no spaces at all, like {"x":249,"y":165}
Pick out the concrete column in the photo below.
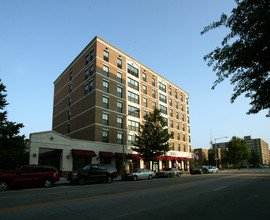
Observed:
{"x":33,"y":154}
{"x":182,"y":165}
{"x":141,"y":164}
{"x":66,"y":162}
{"x":160,"y":165}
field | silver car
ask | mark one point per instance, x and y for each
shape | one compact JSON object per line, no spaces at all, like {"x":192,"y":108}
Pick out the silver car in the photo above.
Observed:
{"x":139,"y":174}
{"x":212,"y":170}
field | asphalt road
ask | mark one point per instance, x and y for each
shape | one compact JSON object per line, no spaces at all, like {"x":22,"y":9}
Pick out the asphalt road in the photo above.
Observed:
{"x":227,"y":195}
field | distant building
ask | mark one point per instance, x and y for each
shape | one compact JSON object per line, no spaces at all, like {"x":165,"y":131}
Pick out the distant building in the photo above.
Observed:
{"x":257,"y":144}
{"x":260,"y":147}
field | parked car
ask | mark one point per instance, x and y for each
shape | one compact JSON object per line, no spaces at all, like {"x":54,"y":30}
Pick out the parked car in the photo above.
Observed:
{"x":30,"y":175}
{"x":213,"y":169}
{"x":169,"y":172}
{"x":93,"y":172}
{"x":199,"y":170}
{"x":138,"y":174}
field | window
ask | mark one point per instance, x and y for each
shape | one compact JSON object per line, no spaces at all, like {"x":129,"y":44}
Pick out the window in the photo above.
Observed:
{"x":105,"y":119}
{"x":69,"y":114}
{"x":187,"y":101}
{"x":144,"y":102}
{"x":145,"y":89}
{"x":133,"y":84}
{"x":175,"y":94}
{"x":119,"y":63}
{"x":179,"y":148}
{"x":176,"y":105}
{"x":181,"y":97}
{"x":133,"y":125}
{"x":133,"y":97}
{"x":145,"y":114}
{"x":86,"y":59}
{"x":153,"y":93}
{"x":162,"y":98}
{"x":178,"y":137}
{"x":91,"y":86}
{"x":133,"y":71}
{"x":70,"y":88}
{"x":91,"y":55}
{"x":106,"y":71}
{"x":188,"y":129}
{"x":177,"y":115}
{"x":70,"y":76}
{"x":170,"y":101}
{"x":119,"y":77}
{"x":106,"y":55}
{"x":171,"y":123}
{"x":105,"y":86}
{"x":131,"y":139}
{"x":105,"y":102}
{"x":182,"y":107}
{"x":119,"y":92}
{"x":188,"y":119}
{"x":135,"y":111}
{"x":91,"y":70}
{"x":187,"y":110}
{"x":184,"y":138}
{"x":170,"y":91}
{"x":144,"y":77}
{"x":183,"y":127}
{"x":86,"y":89}
{"x":119,"y":138}
{"x":154,"y":105}
{"x":166,"y":121}
{"x":119,"y":107}
{"x":171,"y":112}
{"x":69,"y":101}
{"x":119,"y":122}
{"x":163,"y":109}
{"x":172,"y":144}
{"x":86,"y":74}
{"x":177,"y":125}
{"x":162,"y":87}
{"x":183,"y":119}
{"x":105,"y":136}
{"x":153,"y":82}
{"x":68,"y":130}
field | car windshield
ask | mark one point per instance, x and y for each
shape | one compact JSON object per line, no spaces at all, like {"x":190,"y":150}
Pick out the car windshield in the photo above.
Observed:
{"x":87,"y":167}
{"x":134,"y":171}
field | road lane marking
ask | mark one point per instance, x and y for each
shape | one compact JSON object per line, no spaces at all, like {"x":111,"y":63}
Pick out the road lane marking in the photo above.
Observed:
{"x":98,"y":197}
{"x":220,"y":188}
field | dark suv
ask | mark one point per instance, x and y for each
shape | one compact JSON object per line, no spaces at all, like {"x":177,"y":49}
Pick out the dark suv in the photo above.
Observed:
{"x":93,"y":172}
{"x":30,"y":175}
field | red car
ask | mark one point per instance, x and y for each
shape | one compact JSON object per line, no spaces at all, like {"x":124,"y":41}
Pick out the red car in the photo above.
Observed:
{"x":30,"y":175}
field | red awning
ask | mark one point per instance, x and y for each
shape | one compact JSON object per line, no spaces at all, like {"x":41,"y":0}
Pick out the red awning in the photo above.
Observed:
{"x":83,"y":153}
{"x":160,"y":158}
{"x":106,"y":154}
{"x":134,"y":156}
{"x":120,"y":155}
{"x":169,"y":158}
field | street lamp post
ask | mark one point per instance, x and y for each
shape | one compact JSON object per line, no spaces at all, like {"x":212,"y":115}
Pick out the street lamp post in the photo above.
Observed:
{"x":124,"y":166}
{"x":216,"y":157}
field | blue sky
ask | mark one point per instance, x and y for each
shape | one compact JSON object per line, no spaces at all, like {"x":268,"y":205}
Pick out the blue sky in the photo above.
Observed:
{"x":39,"y":39}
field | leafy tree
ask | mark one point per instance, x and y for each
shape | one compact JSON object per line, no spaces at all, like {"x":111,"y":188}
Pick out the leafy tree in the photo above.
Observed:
{"x":153,"y":136}
{"x":211,"y":159}
{"x":254,"y":158}
{"x":244,"y":55}
{"x":237,"y":151}
{"x":12,"y":145}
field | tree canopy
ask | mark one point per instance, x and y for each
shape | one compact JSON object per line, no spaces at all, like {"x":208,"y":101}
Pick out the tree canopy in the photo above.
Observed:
{"x":254,"y":159}
{"x":153,"y":136}
{"x":237,"y":151}
{"x":12,"y":145}
{"x":244,"y":55}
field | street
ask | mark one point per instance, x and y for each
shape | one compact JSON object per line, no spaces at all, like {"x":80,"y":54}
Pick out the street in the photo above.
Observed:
{"x":226,"y":195}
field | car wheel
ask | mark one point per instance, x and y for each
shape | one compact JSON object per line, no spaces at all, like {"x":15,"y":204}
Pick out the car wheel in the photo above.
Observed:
{"x":47,"y":183}
{"x":3,"y":185}
{"x":109,"y":179}
{"x":150,"y":177}
{"x":135,"y":178}
{"x":170,"y":175}
{"x":82,"y":181}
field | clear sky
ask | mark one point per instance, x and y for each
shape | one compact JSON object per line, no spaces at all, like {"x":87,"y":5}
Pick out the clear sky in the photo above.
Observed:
{"x":39,"y":39}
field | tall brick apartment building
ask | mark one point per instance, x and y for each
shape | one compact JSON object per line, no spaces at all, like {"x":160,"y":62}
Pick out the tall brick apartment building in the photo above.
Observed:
{"x":103,"y":95}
